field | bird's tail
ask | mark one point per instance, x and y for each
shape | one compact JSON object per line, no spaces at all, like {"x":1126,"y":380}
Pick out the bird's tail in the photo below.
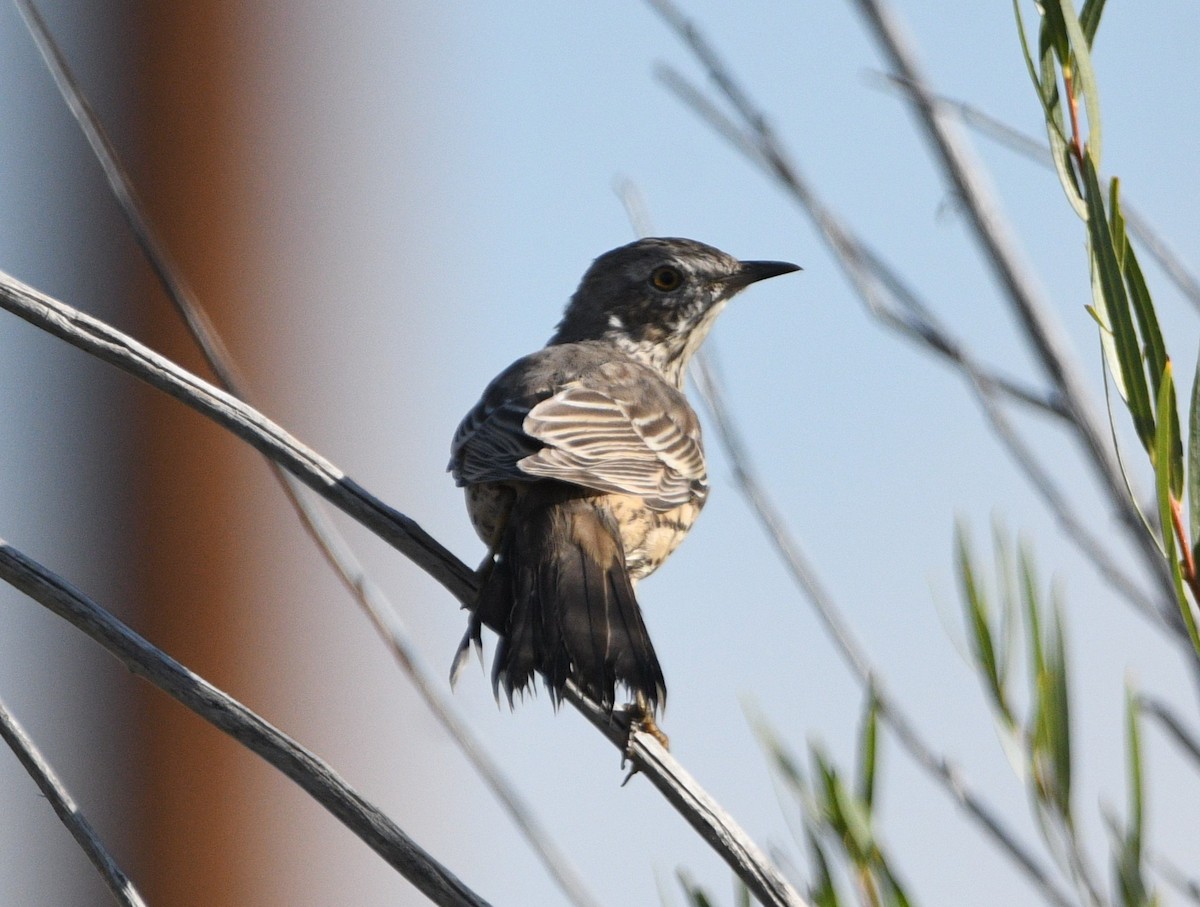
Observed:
{"x":559,"y":596}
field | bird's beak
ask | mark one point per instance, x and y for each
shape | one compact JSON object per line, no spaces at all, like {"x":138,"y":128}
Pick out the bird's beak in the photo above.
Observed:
{"x":754,"y":271}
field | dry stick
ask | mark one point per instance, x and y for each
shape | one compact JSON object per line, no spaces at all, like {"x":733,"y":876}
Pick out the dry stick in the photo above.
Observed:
{"x":857,"y":264}
{"x":64,"y":806}
{"x":1014,"y":140}
{"x":107,"y":343}
{"x":702,"y":812}
{"x":993,"y":234}
{"x":379,"y":832}
{"x":332,"y":545}
{"x":1162,"y":713}
{"x":764,"y":149}
{"x":872,"y":279}
{"x":945,"y":771}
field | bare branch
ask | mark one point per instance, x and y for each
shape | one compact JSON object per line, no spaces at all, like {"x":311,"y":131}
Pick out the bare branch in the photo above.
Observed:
{"x":992,"y":232}
{"x":871,"y":278}
{"x":1009,"y":137}
{"x":379,"y":832}
{"x":333,"y":546}
{"x":109,"y":344}
{"x":692,"y":802}
{"x":123,"y":890}
{"x":1162,"y":713}
{"x":945,"y":772}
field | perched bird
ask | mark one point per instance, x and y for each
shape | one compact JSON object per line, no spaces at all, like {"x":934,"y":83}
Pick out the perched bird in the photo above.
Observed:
{"x":584,"y":469}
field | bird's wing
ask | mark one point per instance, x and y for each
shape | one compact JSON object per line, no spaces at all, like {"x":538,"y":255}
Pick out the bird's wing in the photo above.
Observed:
{"x":613,"y":432}
{"x":620,"y":436}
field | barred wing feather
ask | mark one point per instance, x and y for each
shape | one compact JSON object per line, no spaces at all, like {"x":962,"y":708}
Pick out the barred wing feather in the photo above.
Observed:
{"x":608,"y":441}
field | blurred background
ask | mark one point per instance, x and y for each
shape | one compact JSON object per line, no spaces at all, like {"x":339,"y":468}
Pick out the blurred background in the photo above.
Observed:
{"x":382,"y":205}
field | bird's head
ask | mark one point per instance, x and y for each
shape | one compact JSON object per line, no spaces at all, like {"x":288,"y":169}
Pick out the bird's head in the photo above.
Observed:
{"x":657,"y":298}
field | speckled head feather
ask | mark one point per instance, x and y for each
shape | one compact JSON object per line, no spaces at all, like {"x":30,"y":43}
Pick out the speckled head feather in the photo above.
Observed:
{"x":657,"y":298}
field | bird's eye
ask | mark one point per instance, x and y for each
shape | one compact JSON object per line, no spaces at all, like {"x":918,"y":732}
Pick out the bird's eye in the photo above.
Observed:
{"x":666,"y":278}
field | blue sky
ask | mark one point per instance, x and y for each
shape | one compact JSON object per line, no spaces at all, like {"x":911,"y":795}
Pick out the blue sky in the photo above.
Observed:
{"x":423,"y":188}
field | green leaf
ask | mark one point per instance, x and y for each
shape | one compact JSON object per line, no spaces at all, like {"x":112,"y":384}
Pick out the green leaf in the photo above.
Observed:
{"x":821,"y":891}
{"x":1054,"y":31}
{"x":1136,"y":781}
{"x":1130,"y":875}
{"x":1060,"y":712}
{"x":696,"y":896}
{"x":1143,"y":306}
{"x":1029,"y":596}
{"x":867,"y":750}
{"x":1154,"y":348}
{"x":1113,"y":304}
{"x":1049,"y":731}
{"x":1162,"y":484}
{"x":1089,"y":19}
{"x":980,"y":626}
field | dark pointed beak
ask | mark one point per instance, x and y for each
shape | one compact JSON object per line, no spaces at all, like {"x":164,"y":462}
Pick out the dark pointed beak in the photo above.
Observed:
{"x":754,"y":271}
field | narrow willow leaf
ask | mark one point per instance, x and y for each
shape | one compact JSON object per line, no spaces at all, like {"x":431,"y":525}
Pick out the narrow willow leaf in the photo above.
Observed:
{"x":1009,"y":610}
{"x":894,"y":893}
{"x":860,"y":840}
{"x":1130,"y":873}
{"x":1154,"y":348}
{"x":1162,"y":486}
{"x":1116,"y":308}
{"x":821,"y":891}
{"x":1056,"y":134}
{"x":777,"y":753}
{"x":1147,"y":318}
{"x":1054,"y":30}
{"x":1029,"y":596}
{"x":1108,"y":345}
{"x":1089,"y":19}
{"x":1116,"y":221}
{"x":867,"y":749}
{"x":1116,"y":442}
{"x":696,"y":896}
{"x":741,"y":893}
{"x":1193,"y":465}
{"x":1136,"y":780}
{"x":1060,"y":711}
{"x":1084,"y":77}
{"x":1025,"y":51}
{"x":980,"y":626}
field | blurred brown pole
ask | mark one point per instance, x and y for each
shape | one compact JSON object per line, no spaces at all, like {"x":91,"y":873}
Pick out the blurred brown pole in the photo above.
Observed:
{"x":193,"y":831}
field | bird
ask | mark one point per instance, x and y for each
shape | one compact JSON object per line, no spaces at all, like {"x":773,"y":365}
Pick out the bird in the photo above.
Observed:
{"x":583,"y":469}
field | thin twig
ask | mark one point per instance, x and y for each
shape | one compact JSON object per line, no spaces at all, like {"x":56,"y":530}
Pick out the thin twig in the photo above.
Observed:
{"x":379,"y":832}
{"x":875,"y":282}
{"x":332,"y":545}
{"x":27,"y":753}
{"x":1162,"y":713}
{"x":398,"y":530}
{"x":107,"y":343}
{"x":946,"y":772}
{"x":1176,"y":878}
{"x":993,"y":233}
{"x":1013,"y":139}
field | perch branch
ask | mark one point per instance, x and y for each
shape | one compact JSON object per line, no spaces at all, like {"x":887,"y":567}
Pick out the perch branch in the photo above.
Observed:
{"x":43,"y":775}
{"x":379,"y":832}
{"x":332,"y":545}
{"x":110,"y":345}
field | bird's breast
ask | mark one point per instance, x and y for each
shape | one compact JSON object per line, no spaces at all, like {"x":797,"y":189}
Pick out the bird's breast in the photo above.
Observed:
{"x":649,"y":536}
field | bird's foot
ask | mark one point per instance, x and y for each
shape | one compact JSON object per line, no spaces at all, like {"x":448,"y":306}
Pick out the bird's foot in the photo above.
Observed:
{"x":640,"y":717}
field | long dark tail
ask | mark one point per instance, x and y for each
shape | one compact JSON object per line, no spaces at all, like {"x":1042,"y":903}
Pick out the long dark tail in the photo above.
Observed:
{"x":560,"y":599}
